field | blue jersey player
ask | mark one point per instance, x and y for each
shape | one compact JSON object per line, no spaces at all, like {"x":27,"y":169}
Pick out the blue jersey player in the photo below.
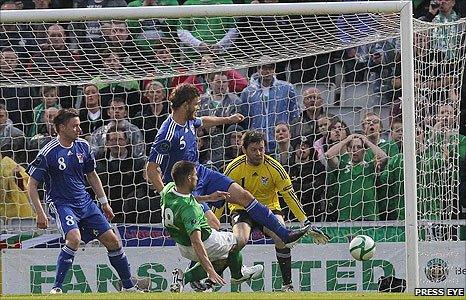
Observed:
{"x":176,"y":141}
{"x":62,"y":165}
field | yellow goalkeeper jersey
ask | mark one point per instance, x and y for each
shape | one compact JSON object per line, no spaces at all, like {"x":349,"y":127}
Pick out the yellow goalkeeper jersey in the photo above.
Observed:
{"x":263,"y":182}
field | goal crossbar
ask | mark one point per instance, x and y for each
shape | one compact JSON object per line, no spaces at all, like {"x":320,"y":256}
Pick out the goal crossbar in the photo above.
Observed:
{"x":192,"y":11}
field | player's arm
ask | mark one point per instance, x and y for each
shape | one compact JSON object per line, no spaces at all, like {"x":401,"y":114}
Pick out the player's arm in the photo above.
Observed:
{"x":201,"y":253}
{"x":33,"y":193}
{"x":190,"y":217}
{"x":96,"y":186}
{"x":293,"y":203}
{"x":285,"y":188}
{"x":215,"y":196}
{"x":154,"y":175}
{"x":159,"y":156}
{"x":37,"y":172}
{"x":211,"y":121}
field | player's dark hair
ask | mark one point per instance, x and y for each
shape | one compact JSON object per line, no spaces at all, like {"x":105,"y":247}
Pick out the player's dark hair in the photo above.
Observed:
{"x":251,"y":137}
{"x":181,"y":170}
{"x":183,"y":93}
{"x":63,"y":116}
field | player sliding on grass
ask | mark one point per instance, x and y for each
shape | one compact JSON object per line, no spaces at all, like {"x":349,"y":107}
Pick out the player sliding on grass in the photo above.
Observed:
{"x":62,"y":164}
{"x":184,"y":219}
{"x":176,"y":140}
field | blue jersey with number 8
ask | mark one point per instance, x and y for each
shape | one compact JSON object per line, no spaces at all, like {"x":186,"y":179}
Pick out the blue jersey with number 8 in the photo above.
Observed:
{"x":62,"y":169}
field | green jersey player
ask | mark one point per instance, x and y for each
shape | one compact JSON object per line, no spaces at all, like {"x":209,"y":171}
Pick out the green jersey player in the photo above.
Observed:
{"x":184,"y":219}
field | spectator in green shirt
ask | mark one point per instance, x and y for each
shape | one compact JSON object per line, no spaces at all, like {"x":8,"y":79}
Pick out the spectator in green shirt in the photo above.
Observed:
{"x":437,"y":160}
{"x":372,"y":128}
{"x":446,"y":149}
{"x":113,"y":82}
{"x":390,"y":190}
{"x":207,"y":33}
{"x":393,"y":207}
{"x":356,"y":177}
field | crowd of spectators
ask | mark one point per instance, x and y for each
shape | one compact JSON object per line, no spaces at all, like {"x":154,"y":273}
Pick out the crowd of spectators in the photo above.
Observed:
{"x":339,"y":175}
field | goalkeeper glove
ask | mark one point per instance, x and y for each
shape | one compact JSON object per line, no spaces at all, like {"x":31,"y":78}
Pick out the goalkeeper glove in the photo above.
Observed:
{"x":320,"y":237}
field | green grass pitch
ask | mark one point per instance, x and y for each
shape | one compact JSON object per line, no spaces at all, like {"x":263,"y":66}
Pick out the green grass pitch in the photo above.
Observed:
{"x":224,"y":296}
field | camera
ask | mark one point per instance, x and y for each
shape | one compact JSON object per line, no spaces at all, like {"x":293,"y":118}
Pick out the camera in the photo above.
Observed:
{"x":434,"y":4}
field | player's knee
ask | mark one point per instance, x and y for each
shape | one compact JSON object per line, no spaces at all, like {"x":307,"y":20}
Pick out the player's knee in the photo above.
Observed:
{"x":113,"y":243}
{"x":247,"y":195}
{"x":73,"y":239}
{"x":244,"y":197}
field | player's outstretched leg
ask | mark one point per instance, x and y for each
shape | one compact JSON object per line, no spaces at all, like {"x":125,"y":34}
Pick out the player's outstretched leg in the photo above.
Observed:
{"x":264,"y":216}
{"x":65,"y":259}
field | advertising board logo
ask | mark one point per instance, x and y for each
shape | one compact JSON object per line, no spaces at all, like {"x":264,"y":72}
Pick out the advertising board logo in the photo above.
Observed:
{"x":436,"y":270}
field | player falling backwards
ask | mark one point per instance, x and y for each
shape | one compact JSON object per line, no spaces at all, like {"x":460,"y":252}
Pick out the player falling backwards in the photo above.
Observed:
{"x":62,"y":164}
{"x":176,"y":141}
{"x":264,"y":177}
{"x":197,"y":241}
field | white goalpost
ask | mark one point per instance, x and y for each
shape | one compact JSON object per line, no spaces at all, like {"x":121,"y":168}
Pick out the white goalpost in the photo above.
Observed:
{"x":342,"y":68}
{"x":409,"y":149}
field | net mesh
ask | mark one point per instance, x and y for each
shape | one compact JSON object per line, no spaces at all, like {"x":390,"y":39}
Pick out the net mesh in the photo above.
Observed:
{"x":333,"y":76}
{"x":71,"y":53}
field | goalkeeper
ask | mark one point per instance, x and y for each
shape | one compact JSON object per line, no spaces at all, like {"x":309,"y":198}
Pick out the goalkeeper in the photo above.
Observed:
{"x":184,"y":219}
{"x":263,"y":177}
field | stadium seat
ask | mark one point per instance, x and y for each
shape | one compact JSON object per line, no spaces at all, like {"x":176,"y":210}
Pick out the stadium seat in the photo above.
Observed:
{"x":351,"y":115}
{"x":357,"y":94}
{"x":327,"y":91}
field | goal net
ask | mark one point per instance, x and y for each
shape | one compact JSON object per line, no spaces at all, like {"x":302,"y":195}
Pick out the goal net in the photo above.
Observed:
{"x":316,"y":79}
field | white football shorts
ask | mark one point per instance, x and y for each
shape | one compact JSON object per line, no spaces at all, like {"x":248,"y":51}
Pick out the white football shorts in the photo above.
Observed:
{"x":217,"y":246}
